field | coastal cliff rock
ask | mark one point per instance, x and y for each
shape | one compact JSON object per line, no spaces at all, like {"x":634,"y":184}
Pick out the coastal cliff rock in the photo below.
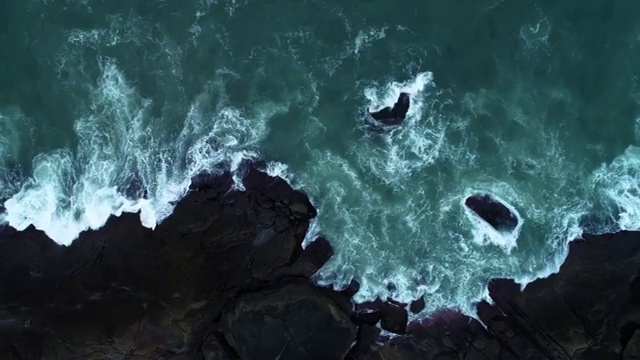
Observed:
{"x":226,"y":277}
{"x":293,"y":322}
{"x":589,"y":310}
{"x":125,"y":290}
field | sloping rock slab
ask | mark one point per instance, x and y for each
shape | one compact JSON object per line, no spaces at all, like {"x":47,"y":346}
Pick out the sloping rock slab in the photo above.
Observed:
{"x":290,"y":323}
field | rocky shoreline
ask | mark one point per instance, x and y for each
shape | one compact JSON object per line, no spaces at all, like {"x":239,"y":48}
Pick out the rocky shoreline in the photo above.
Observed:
{"x":225,"y":277}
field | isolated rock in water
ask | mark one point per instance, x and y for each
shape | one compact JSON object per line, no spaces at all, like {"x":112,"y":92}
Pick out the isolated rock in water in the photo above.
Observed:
{"x":293,"y":322}
{"x":492,"y":211}
{"x":393,"y":115}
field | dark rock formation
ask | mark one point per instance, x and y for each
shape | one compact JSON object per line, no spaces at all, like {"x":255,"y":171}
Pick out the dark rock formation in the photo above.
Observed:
{"x":589,"y":310}
{"x":125,"y":290}
{"x":417,"y":306}
{"x":293,"y":322}
{"x":393,"y":115}
{"x":632,"y":349}
{"x":492,"y":211}
{"x":367,"y":337}
{"x":370,"y":317}
{"x":351,"y":289}
{"x":394,"y":318}
{"x":226,"y":277}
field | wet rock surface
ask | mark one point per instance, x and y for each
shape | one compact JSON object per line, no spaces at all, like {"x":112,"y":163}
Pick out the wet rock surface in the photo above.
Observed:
{"x":293,"y":322}
{"x":589,"y":310}
{"x":226,"y":277}
{"x":493,"y":212}
{"x":125,"y":290}
{"x":393,"y":115}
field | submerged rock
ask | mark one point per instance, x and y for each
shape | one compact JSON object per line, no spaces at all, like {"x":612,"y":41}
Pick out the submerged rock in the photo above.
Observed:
{"x":136,"y":188}
{"x":393,"y":115}
{"x":492,"y":211}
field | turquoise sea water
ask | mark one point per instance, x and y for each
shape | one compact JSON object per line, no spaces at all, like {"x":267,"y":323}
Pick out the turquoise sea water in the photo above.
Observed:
{"x":535,"y":102}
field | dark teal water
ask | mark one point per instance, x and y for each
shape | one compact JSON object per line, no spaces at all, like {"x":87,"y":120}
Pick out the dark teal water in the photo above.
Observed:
{"x":533,"y":102}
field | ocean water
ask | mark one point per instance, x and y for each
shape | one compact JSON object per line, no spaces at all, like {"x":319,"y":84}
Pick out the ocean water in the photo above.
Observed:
{"x":109,"y":107}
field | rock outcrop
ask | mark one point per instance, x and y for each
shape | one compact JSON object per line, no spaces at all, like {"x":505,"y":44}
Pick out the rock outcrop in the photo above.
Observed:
{"x":493,"y":212}
{"x":292,"y":322}
{"x":125,"y":291}
{"x":589,"y":310}
{"x":226,"y":277}
{"x":393,"y":115}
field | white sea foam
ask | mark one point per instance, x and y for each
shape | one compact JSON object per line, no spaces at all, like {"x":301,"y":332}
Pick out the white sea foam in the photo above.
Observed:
{"x":419,"y":238}
{"x":567,"y":232}
{"x":379,"y":97}
{"x":620,"y":182}
{"x":278,"y":169}
{"x":70,"y":192}
{"x":348,"y":181}
{"x":365,"y":38}
{"x":412,"y":146}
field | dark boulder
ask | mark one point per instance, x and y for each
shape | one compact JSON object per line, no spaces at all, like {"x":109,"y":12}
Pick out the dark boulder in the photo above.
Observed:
{"x":375,"y":305}
{"x":417,"y":306}
{"x":309,"y":261}
{"x":318,"y":252}
{"x":214,"y":348}
{"x":351,"y":289}
{"x":370,"y":317}
{"x":632,"y":348}
{"x":293,"y":322}
{"x":394,"y":318}
{"x":492,"y":211}
{"x":393,"y":115}
{"x":125,"y":289}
